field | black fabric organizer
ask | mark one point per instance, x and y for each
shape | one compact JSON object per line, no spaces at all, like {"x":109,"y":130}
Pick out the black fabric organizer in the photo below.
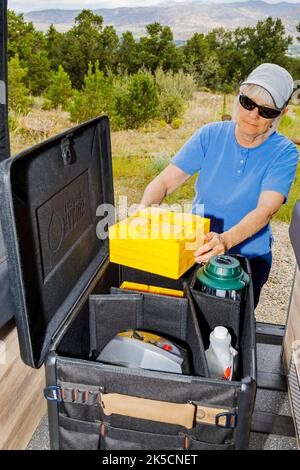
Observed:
{"x":173,"y":318}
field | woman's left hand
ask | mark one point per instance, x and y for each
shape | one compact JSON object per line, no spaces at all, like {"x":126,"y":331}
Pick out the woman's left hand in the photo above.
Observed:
{"x":215,"y":246}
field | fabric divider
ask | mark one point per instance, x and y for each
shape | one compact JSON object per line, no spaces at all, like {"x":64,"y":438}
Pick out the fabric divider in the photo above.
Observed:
{"x":215,"y":311}
{"x":110,"y":314}
{"x":194,"y":335}
{"x":248,"y":366}
{"x":161,"y":313}
{"x":172,"y":318}
{"x":236,"y":315}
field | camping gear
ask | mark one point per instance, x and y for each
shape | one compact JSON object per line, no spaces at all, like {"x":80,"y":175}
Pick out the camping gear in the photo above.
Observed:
{"x":145,"y":350}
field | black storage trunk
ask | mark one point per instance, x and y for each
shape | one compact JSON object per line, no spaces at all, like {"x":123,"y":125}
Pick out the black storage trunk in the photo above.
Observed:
{"x":52,"y":200}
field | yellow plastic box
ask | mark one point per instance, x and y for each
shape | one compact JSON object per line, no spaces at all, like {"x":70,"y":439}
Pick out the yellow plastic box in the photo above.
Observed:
{"x":157,"y":241}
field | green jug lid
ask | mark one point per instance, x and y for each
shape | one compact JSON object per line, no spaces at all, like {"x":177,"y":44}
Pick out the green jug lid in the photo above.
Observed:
{"x":223,"y":272}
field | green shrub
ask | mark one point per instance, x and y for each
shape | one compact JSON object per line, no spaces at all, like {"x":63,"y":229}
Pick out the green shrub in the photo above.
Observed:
{"x":158,"y":163}
{"x":289,"y":124}
{"x":204,"y":89}
{"x":139,"y":104}
{"x":177,"y":123}
{"x":210,"y":73}
{"x":171,"y":107}
{"x":286,"y":211}
{"x":59,"y":91}
{"x":19,"y":100}
{"x":13,"y":123}
{"x":296,"y":110}
{"x":147,"y":129}
{"x":47,"y":105}
{"x":286,"y":121}
{"x":95,"y":98}
{"x":180,"y":83}
{"x":120,"y":87}
{"x":175,"y":89}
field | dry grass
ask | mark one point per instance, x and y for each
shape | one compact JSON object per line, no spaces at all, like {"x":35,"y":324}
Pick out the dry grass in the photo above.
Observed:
{"x":37,"y":126}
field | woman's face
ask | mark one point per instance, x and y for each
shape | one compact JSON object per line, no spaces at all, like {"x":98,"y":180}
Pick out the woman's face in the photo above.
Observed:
{"x":250,"y":122}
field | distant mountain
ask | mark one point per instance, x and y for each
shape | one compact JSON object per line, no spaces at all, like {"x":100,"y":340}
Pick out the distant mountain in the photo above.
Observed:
{"x":184,"y":18}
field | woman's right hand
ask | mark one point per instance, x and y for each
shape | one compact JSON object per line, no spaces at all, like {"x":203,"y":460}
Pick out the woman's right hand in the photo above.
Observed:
{"x":214,"y":246}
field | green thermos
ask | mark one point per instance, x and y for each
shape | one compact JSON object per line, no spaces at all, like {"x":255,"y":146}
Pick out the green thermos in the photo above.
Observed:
{"x":223,"y":276}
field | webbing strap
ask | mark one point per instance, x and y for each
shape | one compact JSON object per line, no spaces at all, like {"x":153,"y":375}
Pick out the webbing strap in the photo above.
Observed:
{"x":68,"y":392}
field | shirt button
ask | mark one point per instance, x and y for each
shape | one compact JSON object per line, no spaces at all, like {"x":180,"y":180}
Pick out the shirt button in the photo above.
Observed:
{"x":241,"y":161}
{"x":239,"y":171}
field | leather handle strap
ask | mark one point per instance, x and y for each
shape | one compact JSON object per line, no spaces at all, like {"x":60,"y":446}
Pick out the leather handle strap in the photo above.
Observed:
{"x":161,"y":411}
{"x":182,"y":414}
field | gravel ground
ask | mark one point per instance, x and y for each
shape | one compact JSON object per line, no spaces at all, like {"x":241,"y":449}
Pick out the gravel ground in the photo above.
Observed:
{"x":274,"y":300}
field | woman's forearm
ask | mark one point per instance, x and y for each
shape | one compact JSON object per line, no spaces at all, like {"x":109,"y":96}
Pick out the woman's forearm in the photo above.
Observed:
{"x":164,"y":184}
{"x":154,"y":193}
{"x":216,"y":244}
{"x":248,"y":226}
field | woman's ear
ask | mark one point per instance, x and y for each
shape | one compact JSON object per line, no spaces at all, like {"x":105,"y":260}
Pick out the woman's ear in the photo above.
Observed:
{"x":284,"y":111}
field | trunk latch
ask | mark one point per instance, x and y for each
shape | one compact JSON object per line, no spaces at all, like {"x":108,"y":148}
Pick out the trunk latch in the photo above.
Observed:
{"x":66,"y":151}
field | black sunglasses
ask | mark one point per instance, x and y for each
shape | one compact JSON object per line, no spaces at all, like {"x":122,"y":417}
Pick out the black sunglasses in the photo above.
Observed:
{"x":263,"y":111}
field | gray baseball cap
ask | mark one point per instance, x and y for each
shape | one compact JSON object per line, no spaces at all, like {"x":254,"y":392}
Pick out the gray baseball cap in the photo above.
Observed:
{"x":275,"y":79}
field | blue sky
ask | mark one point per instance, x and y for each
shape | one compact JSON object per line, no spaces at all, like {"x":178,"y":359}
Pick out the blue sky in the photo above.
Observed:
{"x":30,"y":5}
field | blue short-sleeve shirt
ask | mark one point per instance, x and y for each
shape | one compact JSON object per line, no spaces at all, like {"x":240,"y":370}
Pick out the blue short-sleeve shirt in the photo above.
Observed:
{"x":231,"y":177}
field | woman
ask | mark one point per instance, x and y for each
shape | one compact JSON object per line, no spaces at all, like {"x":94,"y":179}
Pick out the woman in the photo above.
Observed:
{"x":246,"y":170}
